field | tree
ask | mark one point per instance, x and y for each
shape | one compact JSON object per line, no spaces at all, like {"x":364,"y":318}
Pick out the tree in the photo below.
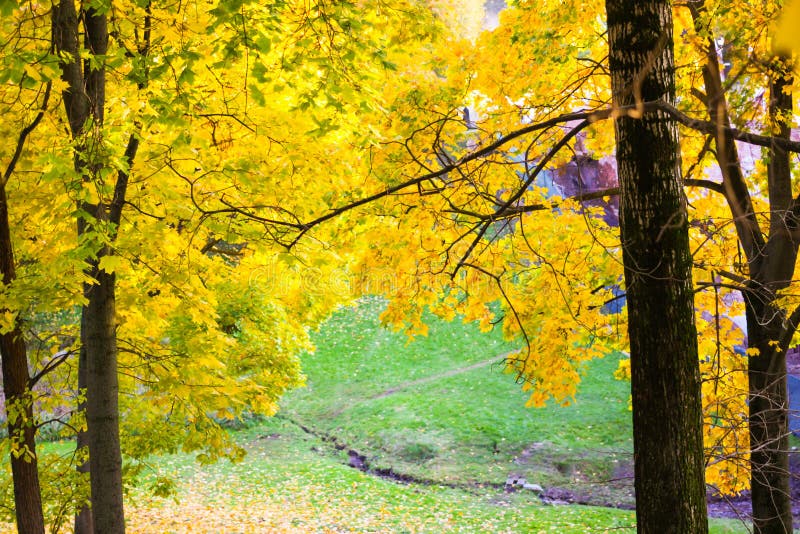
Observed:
{"x":468,"y":203}
{"x":489,"y":222}
{"x":654,"y":228}
{"x":16,"y":379}
{"x":655,"y":249}
{"x":84,"y":102}
{"x":743,"y":70}
{"x":770,"y":255}
{"x":195,"y":149}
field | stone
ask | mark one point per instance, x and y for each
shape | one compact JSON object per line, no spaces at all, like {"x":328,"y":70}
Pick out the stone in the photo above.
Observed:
{"x":536,"y":488}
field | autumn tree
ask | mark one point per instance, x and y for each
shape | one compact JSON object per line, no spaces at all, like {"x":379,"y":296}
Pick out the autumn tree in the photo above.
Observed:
{"x":496,"y":243}
{"x":161,"y":184}
{"x":495,"y":240}
{"x":746,"y":72}
{"x":654,"y":229}
{"x":13,"y":349}
{"x":23,"y":94}
{"x":764,"y":231}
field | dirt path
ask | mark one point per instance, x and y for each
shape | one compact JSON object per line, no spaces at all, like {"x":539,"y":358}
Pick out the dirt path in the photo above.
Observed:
{"x":411,"y":383}
{"x":433,"y":378}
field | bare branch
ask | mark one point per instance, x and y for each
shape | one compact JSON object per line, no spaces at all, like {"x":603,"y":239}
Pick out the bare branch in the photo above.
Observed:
{"x":708,"y":184}
{"x":57,"y":360}
{"x":790,"y":327}
{"x":516,"y":196}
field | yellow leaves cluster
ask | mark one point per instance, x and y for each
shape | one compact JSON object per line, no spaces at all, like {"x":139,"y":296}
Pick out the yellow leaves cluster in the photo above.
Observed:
{"x":212,"y":313}
{"x":543,"y":290}
{"x":723,"y":368}
{"x":548,"y":290}
{"x":786,"y":36}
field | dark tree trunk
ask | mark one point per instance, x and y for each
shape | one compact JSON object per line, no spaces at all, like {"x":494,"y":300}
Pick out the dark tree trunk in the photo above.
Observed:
{"x":102,"y":410}
{"x":770,"y":331}
{"x":665,"y":377}
{"x":84,"y":98}
{"x":83,"y":518}
{"x":769,"y":438}
{"x":16,"y":387}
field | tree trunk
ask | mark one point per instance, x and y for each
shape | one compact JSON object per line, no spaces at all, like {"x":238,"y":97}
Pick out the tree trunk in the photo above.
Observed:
{"x":83,"y":518}
{"x":102,"y":410}
{"x":665,"y":377}
{"x":770,"y":332}
{"x":16,"y":384}
{"x":769,"y":437}
{"x":84,"y":98}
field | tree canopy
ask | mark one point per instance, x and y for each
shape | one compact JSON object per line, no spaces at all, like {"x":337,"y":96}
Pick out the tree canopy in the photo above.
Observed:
{"x":235,"y":171}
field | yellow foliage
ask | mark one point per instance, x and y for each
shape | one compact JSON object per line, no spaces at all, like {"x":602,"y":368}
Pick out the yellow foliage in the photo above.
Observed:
{"x":787,"y":37}
{"x":292,"y":114}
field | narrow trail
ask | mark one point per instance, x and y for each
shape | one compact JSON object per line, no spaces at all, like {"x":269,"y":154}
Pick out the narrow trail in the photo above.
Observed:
{"x":425,"y":380}
{"x":499,"y":359}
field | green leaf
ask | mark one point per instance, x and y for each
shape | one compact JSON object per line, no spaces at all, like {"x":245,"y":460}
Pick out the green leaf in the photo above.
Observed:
{"x":7,"y":7}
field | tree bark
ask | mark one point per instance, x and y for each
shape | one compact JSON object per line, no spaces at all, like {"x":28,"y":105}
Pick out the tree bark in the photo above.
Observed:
{"x":16,"y":387}
{"x":102,"y":410}
{"x":665,"y":377}
{"x":768,"y":404}
{"x":83,"y":518}
{"x":770,"y":332}
{"x":84,"y":98}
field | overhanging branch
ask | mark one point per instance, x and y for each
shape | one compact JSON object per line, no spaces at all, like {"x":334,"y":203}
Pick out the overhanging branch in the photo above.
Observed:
{"x":507,"y":210}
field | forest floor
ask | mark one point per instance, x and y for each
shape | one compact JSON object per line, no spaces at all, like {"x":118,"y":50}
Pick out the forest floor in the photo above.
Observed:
{"x":392,"y":436}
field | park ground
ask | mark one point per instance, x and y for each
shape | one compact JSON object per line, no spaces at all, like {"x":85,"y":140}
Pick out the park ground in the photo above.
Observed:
{"x":392,"y":436}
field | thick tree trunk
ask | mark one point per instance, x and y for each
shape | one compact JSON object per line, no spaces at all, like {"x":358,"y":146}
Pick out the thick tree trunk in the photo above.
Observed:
{"x":16,"y":383}
{"x":665,"y":378}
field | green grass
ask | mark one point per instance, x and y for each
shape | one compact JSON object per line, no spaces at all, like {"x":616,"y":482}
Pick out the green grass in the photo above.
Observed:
{"x":292,"y":482}
{"x":402,"y":406}
{"x":289,"y":483}
{"x":470,"y":427}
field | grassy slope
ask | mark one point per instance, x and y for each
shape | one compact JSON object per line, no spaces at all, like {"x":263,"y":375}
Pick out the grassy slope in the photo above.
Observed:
{"x":460,"y":428}
{"x":467,"y":427}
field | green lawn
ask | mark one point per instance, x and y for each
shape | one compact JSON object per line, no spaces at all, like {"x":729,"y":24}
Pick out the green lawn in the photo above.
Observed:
{"x":379,"y":395}
{"x":291,"y":482}
{"x":429,"y":410}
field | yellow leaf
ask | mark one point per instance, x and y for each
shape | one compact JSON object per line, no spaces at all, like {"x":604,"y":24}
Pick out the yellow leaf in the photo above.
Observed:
{"x":110,"y":264}
{"x":6,"y":322}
